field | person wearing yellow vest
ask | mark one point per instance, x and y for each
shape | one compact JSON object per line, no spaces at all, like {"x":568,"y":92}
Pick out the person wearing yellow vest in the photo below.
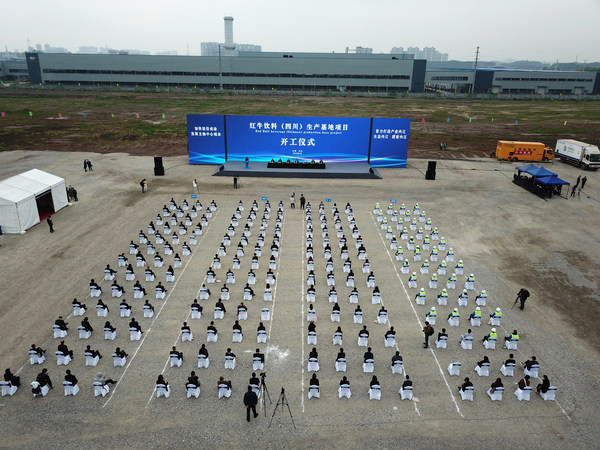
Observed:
{"x":495,"y":315}
{"x":491,"y":335}
{"x":432,"y":314}
{"x":476,"y":314}
{"x":514,"y":336}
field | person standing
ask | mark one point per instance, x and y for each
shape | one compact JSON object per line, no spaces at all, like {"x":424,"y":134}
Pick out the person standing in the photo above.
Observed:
{"x":522,"y":296}
{"x":89,"y":164}
{"x":302,"y":201}
{"x":427,"y":331}
{"x":250,"y":400}
{"x":143,"y":185}
{"x":235,"y":184}
{"x":247,"y":161}
{"x":293,"y":200}
{"x":85,"y":165}
{"x":195,"y":186}
{"x":583,"y":181}
{"x":50,"y":224}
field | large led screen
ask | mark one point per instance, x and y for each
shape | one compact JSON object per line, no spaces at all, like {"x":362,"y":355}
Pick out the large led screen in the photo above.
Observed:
{"x":215,"y":139}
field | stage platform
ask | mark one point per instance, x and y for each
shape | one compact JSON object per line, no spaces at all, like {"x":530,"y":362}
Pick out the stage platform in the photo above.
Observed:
{"x":332,"y":170}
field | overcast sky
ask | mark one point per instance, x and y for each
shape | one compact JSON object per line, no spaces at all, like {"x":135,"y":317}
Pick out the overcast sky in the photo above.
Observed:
{"x":543,"y":30}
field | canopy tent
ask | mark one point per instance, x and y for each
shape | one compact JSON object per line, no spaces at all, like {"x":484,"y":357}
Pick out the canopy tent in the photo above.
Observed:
{"x":526,"y":168}
{"x":540,"y":172}
{"x":28,"y":198}
{"x":551,"y":180}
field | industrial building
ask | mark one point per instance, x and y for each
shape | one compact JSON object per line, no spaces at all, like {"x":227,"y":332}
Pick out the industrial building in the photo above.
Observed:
{"x":250,"y":70}
{"x":511,"y":81}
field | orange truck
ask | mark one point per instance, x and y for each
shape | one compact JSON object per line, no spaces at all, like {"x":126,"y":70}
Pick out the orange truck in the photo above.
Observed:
{"x":523,"y":151}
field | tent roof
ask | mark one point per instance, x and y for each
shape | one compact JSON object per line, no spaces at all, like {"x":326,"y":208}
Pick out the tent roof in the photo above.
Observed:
{"x":540,"y":172}
{"x":12,"y":194}
{"x":551,"y":180}
{"x":26,"y":184}
{"x":43,"y":177}
{"x":526,"y":168}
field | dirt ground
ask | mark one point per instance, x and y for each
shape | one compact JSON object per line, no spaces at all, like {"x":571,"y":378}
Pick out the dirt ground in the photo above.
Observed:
{"x":506,"y":236}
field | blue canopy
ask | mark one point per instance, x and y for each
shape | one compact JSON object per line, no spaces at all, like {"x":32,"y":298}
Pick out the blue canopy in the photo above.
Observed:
{"x":539,"y":172}
{"x":526,"y":168}
{"x":551,"y":180}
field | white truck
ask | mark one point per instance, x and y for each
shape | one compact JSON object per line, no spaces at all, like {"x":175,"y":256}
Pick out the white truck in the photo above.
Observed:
{"x":578,"y":153}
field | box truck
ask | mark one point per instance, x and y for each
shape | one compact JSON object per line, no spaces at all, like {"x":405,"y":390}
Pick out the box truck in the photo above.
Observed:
{"x":523,"y":151}
{"x":579,"y":153}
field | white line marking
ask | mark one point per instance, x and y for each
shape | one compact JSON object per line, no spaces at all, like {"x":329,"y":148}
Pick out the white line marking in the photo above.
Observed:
{"x":156,"y":316}
{"x":418,"y":320}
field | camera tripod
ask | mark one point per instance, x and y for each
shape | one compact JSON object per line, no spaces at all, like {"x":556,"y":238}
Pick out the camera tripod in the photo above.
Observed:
{"x":264,"y":392}
{"x":283,"y":402}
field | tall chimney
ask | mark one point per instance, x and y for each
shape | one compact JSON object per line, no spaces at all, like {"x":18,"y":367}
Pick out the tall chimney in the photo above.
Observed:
{"x":229,"y":47}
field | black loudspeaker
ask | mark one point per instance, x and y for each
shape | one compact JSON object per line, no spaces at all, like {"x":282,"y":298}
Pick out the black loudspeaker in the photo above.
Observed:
{"x":430,"y":174}
{"x":159,"y":169}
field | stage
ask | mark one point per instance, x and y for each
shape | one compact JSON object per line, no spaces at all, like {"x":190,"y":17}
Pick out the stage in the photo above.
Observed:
{"x":332,"y":170}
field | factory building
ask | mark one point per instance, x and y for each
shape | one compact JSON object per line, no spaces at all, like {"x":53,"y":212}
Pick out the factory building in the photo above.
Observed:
{"x":249,"y":70}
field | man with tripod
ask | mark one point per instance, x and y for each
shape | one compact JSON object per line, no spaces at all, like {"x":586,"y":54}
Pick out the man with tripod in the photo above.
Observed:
{"x":250,"y":401}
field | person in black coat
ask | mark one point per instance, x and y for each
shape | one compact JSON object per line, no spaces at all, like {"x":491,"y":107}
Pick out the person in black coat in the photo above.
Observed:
{"x":250,"y":401}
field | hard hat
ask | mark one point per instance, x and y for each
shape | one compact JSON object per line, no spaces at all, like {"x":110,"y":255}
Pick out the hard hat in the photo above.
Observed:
{"x":498,"y":309}
{"x":483,"y":291}
{"x":423,"y":289}
{"x":456,"y":309}
{"x":433,"y":308}
{"x":426,"y":260}
{"x":494,"y":330}
{"x":444,"y":290}
{"x":471,"y":275}
{"x":478,"y":309}
{"x":453,"y":274}
{"x":414,"y":273}
{"x":460,"y":260}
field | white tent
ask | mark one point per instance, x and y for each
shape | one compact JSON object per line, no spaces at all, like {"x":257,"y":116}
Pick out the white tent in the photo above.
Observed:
{"x":26,"y":197}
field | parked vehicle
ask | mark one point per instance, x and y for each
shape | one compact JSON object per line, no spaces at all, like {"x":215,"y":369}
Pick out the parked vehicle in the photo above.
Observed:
{"x":584,"y":155}
{"x":523,"y":151}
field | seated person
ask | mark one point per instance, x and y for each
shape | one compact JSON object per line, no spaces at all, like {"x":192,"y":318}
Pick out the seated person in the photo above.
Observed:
{"x":496,"y":384}
{"x":92,"y":353}
{"x":193,"y":379}
{"x":120,"y":353}
{"x":483,"y":361}
{"x":407,"y":382}
{"x":510,"y":360}
{"x":100,"y":379}
{"x":44,"y":379}
{"x":12,"y":379}
{"x":62,"y":347}
{"x":544,"y":385}
{"x":254,"y":381}
{"x":71,"y":378}
{"x":135,"y":324}
{"x":524,"y":382}
{"x":86,"y":325}
{"x":466,"y":383}
{"x":177,"y":354}
{"x":61,"y":323}
{"x":530,"y":362}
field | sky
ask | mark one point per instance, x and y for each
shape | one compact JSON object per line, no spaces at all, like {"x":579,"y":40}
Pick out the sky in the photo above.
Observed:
{"x":547,"y":30}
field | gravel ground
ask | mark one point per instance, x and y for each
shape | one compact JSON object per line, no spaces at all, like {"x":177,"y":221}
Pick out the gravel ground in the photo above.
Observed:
{"x":508,"y":237}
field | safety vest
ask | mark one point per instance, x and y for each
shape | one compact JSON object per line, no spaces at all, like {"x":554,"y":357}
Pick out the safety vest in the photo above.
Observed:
{"x":497,"y":314}
{"x":454,"y":314}
{"x":460,"y":266}
{"x":417,"y":251}
{"x":426,"y":240}
{"x":425,"y":264}
{"x":484,"y":296}
{"x":442,"y":241}
{"x":389,"y":229}
{"x":514,"y":337}
{"x":376,"y":205}
{"x":443,"y":265}
{"x":384,"y":221}
{"x":413,"y":278}
{"x":452,"y":278}
{"x":476,"y":313}
{"x":411,"y":241}
{"x":416,"y":207}
{"x":443,"y":295}
{"x":471,"y":279}
{"x":435,"y":251}
{"x":428,"y":222}
{"x":432,"y":313}
{"x":405,"y":264}
{"x":434,"y":277}
{"x":399,"y":252}
{"x":450,"y":252}
{"x":421,"y":294}
{"x":493,"y":335}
